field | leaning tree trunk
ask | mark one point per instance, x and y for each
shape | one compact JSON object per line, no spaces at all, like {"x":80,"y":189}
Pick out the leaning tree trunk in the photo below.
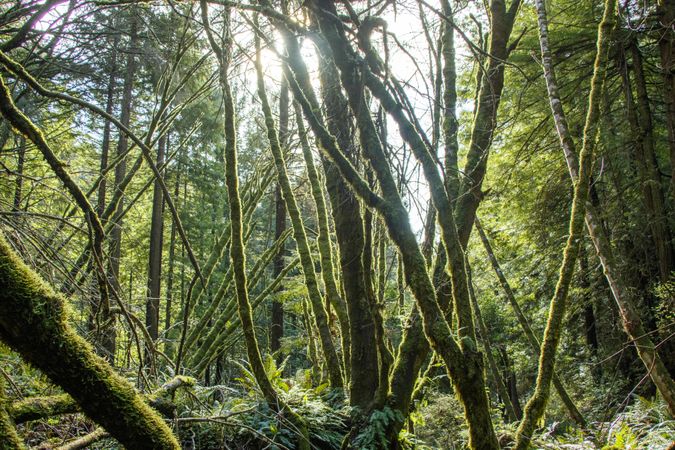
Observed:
{"x":535,"y":408}
{"x":33,"y":323}
{"x":525,"y":325}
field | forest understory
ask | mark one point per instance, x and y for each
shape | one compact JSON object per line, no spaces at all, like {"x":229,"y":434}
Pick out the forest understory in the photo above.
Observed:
{"x":353,"y":224}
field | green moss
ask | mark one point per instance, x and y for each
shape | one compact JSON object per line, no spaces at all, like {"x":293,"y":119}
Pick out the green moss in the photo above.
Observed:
{"x":9,"y":439}
{"x":34,"y":408}
{"x":33,"y":323}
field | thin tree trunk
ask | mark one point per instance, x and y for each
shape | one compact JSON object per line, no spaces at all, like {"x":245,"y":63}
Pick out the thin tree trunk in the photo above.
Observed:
{"x":237,"y":250}
{"x":105,"y":144}
{"x":315,"y":297}
{"x":120,"y":174}
{"x":152,"y":304}
{"x":18,"y":183}
{"x":277,"y":314}
{"x":484,"y":336}
{"x":325,"y":249}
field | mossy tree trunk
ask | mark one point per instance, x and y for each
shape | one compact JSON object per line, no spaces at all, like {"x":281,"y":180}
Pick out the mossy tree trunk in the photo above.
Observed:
{"x":324,"y":242}
{"x":9,"y":438}
{"x":315,"y":297}
{"x":463,"y":361}
{"x":350,"y":234}
{"x":27,"y":303}
{"x":524,"y":323}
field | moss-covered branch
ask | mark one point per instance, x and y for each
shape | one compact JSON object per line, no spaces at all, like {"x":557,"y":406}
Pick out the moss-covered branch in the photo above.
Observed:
{"x":33,"y":322}
{"x":9,"y":439}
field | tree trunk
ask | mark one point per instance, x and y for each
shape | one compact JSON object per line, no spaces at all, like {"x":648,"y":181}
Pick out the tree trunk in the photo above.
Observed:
{"x":9,"y":438}
{"x":333,"y":296}
{"x":315,"y":297}
{"x":152,"y":304}
{"x":666,"y":40}
{"x":237,"y":250}
{"x":639,"y":118}
{"x":105,"y":143}
{"x":620,"y":291}
{"x":525,"y":325}
{"x":349,"y":230}
{"x":484,"y":336}
{"x":18,"y":183}
{"x":115,"y":234}
{"x":26,"y":303}
{"x":277,"y":318}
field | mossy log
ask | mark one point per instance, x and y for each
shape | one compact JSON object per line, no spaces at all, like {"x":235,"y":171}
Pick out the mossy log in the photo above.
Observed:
{"x":33,"y":323}
{"x":35,"y":408}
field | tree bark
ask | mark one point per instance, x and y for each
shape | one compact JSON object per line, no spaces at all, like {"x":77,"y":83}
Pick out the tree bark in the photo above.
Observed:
{"x":349,"y":230}
{"x":152,"y":304}
{"x":109,"y":336}
{"x":27,"y":303}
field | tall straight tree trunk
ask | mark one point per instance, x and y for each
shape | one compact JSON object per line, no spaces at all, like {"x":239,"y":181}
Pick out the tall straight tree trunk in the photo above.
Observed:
{"x":666,"y":40}
{"x":152,"y":304}
{"x":590,"y":329}
{"x":277,"y":314}
{"x":652,"y":190}
{"x":349,"y":230}
{"x":170,"y":276}
{"x":120,"y":174}
{"x":644,"y":158}
{"x":18,"y":183}
{"x":620,"y":291}
{"x":105,"y":143}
